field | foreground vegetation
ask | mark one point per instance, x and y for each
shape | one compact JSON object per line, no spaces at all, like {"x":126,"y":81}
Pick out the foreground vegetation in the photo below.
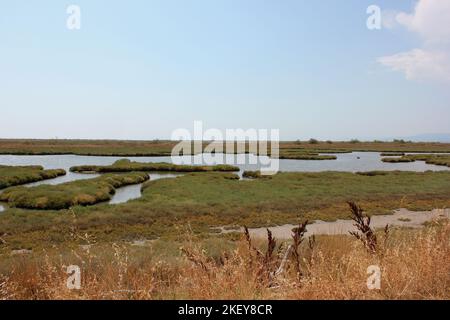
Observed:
{"x":164,"y":148}
{"x":126,"y":165}
{"x":414,"y":264}
{"x":211,"y":199}
{"x":66,"y":195}
{"x":436,"y":159}
{"x":17,"y":175}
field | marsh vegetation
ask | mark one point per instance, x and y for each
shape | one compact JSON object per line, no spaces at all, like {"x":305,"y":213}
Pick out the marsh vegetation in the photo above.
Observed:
{"x":213,"y":199}
{"x":126,"y":165}
{"x":137,"y":243}
{"x":436,"y":159}
{"x":66,"y":195}
{"x":164,"y":148}
{"x":17,"y":175}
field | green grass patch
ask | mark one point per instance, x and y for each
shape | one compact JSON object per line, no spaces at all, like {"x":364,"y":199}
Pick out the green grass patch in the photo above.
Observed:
{"x":126,"y":165}
{"x":302,"y":154}
{"x":66,"y":195}
{"x":306,"y":157}
{"x":201,"y":201}
{"x":17,"y":175}
{"x":436,"y":159}
{"x":372,"y":173}
{"x":392,"y":154}
{"x":255,"y":175}
{"x":397,"y":160}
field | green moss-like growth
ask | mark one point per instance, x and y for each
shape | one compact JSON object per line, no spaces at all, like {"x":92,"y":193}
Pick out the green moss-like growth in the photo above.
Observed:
{"x":392,"y":154}
{"x":126,"y":165}
{"x":397,"y":160}
{"x":436,"y":159}
{"x":17,"y":175}
{"x":302,"y":154}
{"x":306,"y":157}
{"x":372,"y":173}
{"x":254,"y":175}
{"x":66,"y":195}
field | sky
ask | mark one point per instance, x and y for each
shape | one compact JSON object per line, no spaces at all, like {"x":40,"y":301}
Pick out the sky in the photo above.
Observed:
{"x":142,"y":69}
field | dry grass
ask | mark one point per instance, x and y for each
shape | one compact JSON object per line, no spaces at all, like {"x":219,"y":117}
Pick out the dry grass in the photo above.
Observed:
{"x":415,"y":264}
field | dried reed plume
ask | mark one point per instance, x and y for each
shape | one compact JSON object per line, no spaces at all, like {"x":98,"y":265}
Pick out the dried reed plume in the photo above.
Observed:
{"x":366,"y":234}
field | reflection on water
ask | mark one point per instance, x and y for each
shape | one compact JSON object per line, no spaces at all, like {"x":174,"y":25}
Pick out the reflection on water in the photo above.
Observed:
{"x":127,"y":193}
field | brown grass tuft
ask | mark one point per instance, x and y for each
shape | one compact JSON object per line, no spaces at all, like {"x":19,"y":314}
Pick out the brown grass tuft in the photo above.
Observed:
{"x":415,"y":265}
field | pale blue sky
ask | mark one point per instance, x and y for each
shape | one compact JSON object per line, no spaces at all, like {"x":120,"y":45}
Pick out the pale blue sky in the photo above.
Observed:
{"x":141,"y":69}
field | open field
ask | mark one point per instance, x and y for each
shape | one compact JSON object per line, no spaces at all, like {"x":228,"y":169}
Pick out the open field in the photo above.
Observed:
{"x":17,"y":175}
{"x":63,"y":196}
{"x":164,"y":148}
{"x":208,"y":200}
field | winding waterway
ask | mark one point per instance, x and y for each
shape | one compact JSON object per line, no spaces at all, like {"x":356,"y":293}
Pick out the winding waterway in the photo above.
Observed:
{"x":347,"y":162}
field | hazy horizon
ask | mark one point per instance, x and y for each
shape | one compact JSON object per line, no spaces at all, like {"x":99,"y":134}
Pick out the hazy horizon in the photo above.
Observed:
{"x":140,"y":70}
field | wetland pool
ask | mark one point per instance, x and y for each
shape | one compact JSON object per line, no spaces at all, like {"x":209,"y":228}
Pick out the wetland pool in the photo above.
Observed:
{"x":348,"y":162}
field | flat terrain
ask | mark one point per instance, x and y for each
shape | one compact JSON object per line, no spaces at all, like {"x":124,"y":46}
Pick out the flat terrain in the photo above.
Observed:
{"x":164,"y":148}
{"x":202,"y":201}
{"x":168,"y":243}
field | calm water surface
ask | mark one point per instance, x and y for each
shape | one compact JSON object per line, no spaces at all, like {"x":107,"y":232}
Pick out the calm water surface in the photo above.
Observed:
{"x":349,"y":162}
{"x":134,"y":191}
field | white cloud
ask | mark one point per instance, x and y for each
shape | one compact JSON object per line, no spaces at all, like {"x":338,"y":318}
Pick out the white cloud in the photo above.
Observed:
{"x":419,"y":64}
{"x":431,"y":21}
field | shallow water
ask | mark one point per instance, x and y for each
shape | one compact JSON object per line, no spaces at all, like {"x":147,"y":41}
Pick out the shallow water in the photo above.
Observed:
{"x":134,"y":191}
{"x":349,"y":162}
{"x":70,"y":176}
{"x":400,"y":218}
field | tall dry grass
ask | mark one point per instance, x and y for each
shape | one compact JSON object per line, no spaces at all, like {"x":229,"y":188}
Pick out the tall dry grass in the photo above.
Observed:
{"x":415,"y":264}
